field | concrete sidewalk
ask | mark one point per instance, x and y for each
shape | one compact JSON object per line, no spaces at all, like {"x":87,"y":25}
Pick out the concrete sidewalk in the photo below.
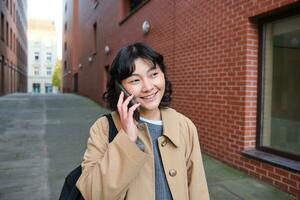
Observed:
{"x":225,"y":182}
{"x":43,"y":137}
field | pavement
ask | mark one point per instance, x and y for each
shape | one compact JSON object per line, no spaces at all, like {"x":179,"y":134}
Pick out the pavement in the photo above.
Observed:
{"x":43,"y":137}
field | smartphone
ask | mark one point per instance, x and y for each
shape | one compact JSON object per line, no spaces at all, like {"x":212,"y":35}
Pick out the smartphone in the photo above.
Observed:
{"x":119,"y":88}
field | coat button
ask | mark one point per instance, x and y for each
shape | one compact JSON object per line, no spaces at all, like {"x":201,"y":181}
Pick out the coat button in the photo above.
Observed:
{"x":172,"y":172}
{"x":164,"y":143}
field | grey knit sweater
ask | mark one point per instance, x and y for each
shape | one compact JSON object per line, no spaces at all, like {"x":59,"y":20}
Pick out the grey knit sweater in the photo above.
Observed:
{"x":162,"y":190}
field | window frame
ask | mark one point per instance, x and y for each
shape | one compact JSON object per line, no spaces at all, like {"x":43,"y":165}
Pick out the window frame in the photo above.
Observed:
{"x":2,"y":27}
{"x":95,"y":38}
{"x":126,"y":15}
{"x":262,"y":21}
{"x":36,"y":56}
{"x":49,"y":55}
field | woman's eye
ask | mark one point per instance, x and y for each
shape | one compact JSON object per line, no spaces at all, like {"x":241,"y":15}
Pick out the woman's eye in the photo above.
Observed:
{"x":136,"y":81}
{"x":154,"y":74}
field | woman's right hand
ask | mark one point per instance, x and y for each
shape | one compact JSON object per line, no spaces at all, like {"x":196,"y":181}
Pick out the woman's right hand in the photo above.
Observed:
{"x":126,"y":116}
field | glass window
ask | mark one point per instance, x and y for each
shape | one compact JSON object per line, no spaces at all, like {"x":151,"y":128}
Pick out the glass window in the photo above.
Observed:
{"x":2,"y":26}
{"x":7,"y":33}
{"x":134,"y":4}
{"x":37,"y":44}
{"x":10,"y":38}
{"x":280,"y":128}
{"x":66,"y":7}
{"x":36,"y":71}
{"x":36,"y":55}
{"x":48,"y":88}
{"x":49,"y":57}
{"x":130,"y":6}
{"x":36,"y":88}
{"x":95,"y":38}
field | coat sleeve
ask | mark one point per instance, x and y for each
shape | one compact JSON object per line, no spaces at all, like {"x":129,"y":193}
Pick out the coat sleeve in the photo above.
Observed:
{"x":195,"y":170}
{"x":108,"y":169}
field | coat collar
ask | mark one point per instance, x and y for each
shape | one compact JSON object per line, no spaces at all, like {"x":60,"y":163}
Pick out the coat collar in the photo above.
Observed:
{"x":170,"y":124}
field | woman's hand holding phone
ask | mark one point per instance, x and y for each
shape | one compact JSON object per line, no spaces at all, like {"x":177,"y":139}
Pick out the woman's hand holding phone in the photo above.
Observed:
{"x":126,"y":116}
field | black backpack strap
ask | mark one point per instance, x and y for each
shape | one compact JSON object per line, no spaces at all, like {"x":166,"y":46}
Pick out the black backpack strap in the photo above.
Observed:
{"x":69,"y":190}
{"x":112,"y":128}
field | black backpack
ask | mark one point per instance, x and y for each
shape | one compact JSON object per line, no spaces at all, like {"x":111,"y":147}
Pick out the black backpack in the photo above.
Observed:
{"x":69,"y":190}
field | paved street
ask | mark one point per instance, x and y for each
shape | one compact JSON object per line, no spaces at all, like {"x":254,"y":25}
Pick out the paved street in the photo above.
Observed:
{"x":43,"y":137}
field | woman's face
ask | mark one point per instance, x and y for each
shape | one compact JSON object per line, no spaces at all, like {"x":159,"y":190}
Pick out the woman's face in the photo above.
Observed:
{"x":147,"y":84}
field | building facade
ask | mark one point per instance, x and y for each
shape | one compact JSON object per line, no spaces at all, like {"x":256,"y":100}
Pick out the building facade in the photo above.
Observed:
{"x":42,"y":56}
{"x":13,"y":46}
{"x":234,"y":66}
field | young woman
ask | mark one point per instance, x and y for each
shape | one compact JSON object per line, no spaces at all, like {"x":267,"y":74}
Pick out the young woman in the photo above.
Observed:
{"x":158,"y":156}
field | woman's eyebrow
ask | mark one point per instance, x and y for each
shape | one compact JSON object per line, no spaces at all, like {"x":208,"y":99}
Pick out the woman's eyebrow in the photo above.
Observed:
{"x":152,"y":68}
{"x":134,"y":75}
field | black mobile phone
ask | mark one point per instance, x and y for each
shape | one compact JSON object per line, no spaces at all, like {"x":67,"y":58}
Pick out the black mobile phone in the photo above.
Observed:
{"x":119,"y":88}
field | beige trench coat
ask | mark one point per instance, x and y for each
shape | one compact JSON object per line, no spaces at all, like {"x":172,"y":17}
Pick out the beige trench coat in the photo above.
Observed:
{"x":119,"y":169}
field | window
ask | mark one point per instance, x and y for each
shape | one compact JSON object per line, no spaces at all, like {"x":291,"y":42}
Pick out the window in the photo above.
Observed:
{"x":36,"y":71}
{"x":130,"y":6}
{"x":49,"y":57}
{"x":2,"y":26}
{"x":36,"y":55}
{"x":66,"y":7}
{"x":66,"y":46}
{"x":65,"y":67}
{"x":133,"y":4}
{"x":280,"y":107}
{"x":37,"y":44}
{"x":13,"y":42}
{"x":66,"y":26}
{"x":48,"y":88}
{"x":14,"y":12}
{"x":95,"y":38}
{"x":10,"y":6}
{"x":36,"y":88}
{"x":49,"y":72}
{"x":10,"y":38}
{"x":6,"y":33}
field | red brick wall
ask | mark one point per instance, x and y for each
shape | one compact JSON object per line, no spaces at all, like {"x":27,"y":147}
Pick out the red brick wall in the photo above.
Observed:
{"x":13,"y":69}
{"x":211,"y":50}
{"x":68,"y":39}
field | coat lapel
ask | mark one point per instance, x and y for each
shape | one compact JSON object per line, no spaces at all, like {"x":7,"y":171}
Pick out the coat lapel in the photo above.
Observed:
{"x":171,"y":125}
{"x":171,"y":152}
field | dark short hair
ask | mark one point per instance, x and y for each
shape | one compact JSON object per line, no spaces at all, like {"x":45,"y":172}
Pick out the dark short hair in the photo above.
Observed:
{"x":123,"y":66}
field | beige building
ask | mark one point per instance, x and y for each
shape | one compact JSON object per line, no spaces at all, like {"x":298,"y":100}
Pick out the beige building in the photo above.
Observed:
{"x":41,"y":56}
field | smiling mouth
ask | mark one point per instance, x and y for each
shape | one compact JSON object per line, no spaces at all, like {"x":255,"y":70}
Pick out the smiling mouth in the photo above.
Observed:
{"x":149,"y":96}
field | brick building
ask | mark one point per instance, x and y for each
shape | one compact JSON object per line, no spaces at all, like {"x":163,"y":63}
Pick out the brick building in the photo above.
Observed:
{"x":13,"y":46}
{"x":234,"y":66}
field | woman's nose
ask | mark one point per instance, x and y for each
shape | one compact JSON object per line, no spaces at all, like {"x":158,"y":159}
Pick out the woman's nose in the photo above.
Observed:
{"x":147,"y":86}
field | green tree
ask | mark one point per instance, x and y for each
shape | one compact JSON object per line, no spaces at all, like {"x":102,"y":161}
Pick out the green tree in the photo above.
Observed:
{"x":56,"y":78}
